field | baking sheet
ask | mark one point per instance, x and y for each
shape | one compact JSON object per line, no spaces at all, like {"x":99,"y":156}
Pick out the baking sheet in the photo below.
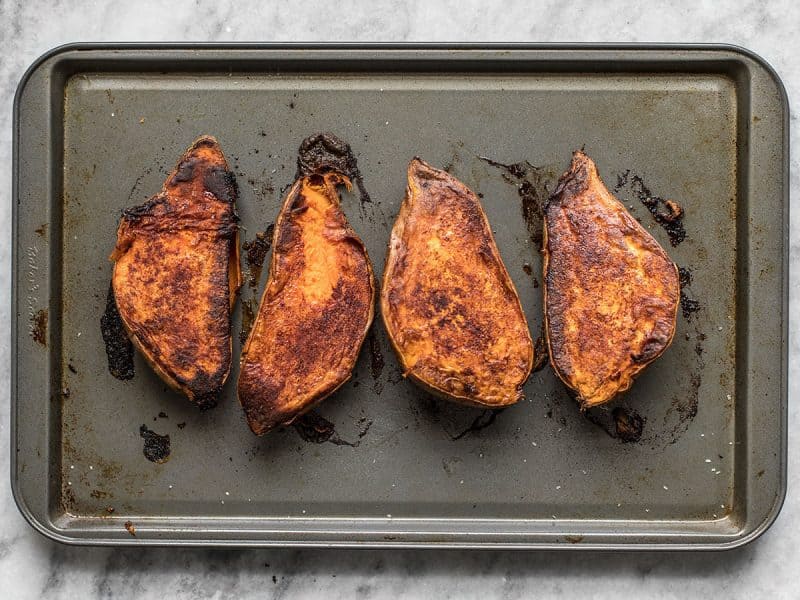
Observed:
{"x":97,"y":129}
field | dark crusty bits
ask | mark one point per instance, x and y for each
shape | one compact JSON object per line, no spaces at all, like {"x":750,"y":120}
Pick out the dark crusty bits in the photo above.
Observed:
{"x":156,"y":447}
{"x":255,"y":253}
{"x":325,"y":153}
{"x":119,"y":348}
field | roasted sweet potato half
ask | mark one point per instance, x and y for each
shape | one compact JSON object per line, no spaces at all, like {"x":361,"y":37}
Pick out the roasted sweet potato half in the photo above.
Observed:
{"x":611,"y":292}
{"x":451,"y":310}
{"x":176,"y":273}
{"x":316,"y":309}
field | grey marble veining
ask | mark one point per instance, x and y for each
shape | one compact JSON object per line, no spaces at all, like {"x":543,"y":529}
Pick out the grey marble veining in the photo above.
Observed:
{"x":32,"y":567}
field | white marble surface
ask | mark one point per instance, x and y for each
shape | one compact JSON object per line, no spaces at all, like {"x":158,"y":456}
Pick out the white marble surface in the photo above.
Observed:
{"x":32,"y":567}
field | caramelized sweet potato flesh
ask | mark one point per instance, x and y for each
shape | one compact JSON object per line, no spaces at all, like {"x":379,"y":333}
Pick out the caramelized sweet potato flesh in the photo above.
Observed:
{"x":450,"y":308}
{"x":611,"y":292}
{"x":176,"y":273}
{"x":316,"y":308}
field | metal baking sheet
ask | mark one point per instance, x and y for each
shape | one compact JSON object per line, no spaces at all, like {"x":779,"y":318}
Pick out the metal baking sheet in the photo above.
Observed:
{"x":96,"y":129}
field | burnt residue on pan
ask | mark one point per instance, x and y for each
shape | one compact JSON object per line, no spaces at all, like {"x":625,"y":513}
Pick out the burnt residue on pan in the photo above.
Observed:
{"x":324,"y":152}
{"x":376,"y":360}
{"x":628,"y":424}
{"x":533,"y":188}
{"x":255,"y":252}
{"x":689,"y":306}
{"x":667,"y":213}
{"x":39,"y":327}
{"x":138,"y":183}
{"x":684,"y":277}
{"x":457,"y":421}
{"x":621,"y":423}
{"x":313,"y":428}
{"x":485,"y":419}
{"x":156,"y":447}
{"x":248,"y":316}
{"x":262,"y":188}
{"x":119,"y":348}
{"x":540,"y":353}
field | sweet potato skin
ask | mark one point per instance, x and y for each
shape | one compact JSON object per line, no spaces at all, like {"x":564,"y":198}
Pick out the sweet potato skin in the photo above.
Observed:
{"x":315,"y":312}
{"x":176,"y":273}
{"x":611,"y":292}
{"x":449,"y":306}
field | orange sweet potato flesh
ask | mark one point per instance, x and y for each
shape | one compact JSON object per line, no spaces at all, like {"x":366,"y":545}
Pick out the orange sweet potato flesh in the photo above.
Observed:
{"x":611,"y":293}
{"x":315,"y":311}
{"x":176,"y":273}
{"x":450,"y":308}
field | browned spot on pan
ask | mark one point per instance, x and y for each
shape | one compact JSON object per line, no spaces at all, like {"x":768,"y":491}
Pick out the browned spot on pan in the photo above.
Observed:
{"x":130,"y":528}
{"x":39,"y":327}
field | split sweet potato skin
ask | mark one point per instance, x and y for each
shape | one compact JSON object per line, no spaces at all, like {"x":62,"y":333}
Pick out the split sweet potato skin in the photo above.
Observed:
{"x":316,"y":309}
{"x":611,"y":292}
{"x":450,"y":308}
{"x":176,"y":273}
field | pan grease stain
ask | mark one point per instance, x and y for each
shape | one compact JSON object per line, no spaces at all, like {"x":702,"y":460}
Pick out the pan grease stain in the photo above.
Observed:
{"x":119,"y":348}
{"x":156,"y":447}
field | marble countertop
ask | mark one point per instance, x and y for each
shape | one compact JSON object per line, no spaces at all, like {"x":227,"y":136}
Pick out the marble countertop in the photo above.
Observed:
{"x":33,"y":567}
